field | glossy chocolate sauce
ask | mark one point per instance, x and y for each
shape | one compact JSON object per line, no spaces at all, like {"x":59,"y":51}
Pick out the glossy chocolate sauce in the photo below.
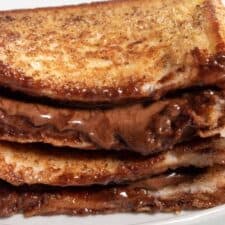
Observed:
{"x":141,"y":128}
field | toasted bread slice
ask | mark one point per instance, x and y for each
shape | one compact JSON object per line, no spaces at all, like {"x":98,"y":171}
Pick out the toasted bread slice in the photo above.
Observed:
{"x":202,"y":191}
{"x":144,"y":128}
{"x":113,"y":51}
{"x":25,"y":164}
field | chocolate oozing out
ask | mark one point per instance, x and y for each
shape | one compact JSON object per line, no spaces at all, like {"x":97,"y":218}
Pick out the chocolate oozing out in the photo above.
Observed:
{"x":141,"y":128}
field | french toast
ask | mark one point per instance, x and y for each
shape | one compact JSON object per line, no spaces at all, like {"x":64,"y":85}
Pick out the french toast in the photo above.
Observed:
{"x":138,"y":84}
{"x":30,"y":164}
{"x":113,"y":51}
{"x":200,"y":191}
{"x":143,"y":128}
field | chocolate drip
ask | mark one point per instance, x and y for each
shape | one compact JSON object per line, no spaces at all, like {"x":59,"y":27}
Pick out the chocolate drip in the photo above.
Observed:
{"x":145,"y":129}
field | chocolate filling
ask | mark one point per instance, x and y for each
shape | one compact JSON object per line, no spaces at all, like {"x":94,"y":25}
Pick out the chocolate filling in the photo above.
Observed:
{"x":141,"y":128}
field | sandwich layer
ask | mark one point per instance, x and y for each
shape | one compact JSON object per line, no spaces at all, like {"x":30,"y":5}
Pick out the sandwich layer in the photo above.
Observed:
{"x":114,"y":51}
{"x":25,"y":164}
{"x":202,"y":191}
{"x":144,"y":128}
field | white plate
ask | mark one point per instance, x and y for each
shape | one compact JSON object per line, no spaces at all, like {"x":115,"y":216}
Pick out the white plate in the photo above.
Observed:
{"x":207,"y":217}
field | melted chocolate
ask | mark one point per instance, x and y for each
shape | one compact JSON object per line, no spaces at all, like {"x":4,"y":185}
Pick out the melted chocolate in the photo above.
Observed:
{"x":145,"y":129}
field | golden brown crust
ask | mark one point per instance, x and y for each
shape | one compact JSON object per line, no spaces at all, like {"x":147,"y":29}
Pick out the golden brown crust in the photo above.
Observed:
{"x":216,"y":14}
{"x":25,"y":164}
{"x":214,"y":26}
{"x":203,"y":191}
{"x":93,"y":53}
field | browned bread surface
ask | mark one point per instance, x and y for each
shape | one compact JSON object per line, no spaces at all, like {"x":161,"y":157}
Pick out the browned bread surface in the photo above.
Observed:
{"x":113,"y":51}
{"x":202,"y":191}
{"x":144,"y":128}
{"x":25,"y":164}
